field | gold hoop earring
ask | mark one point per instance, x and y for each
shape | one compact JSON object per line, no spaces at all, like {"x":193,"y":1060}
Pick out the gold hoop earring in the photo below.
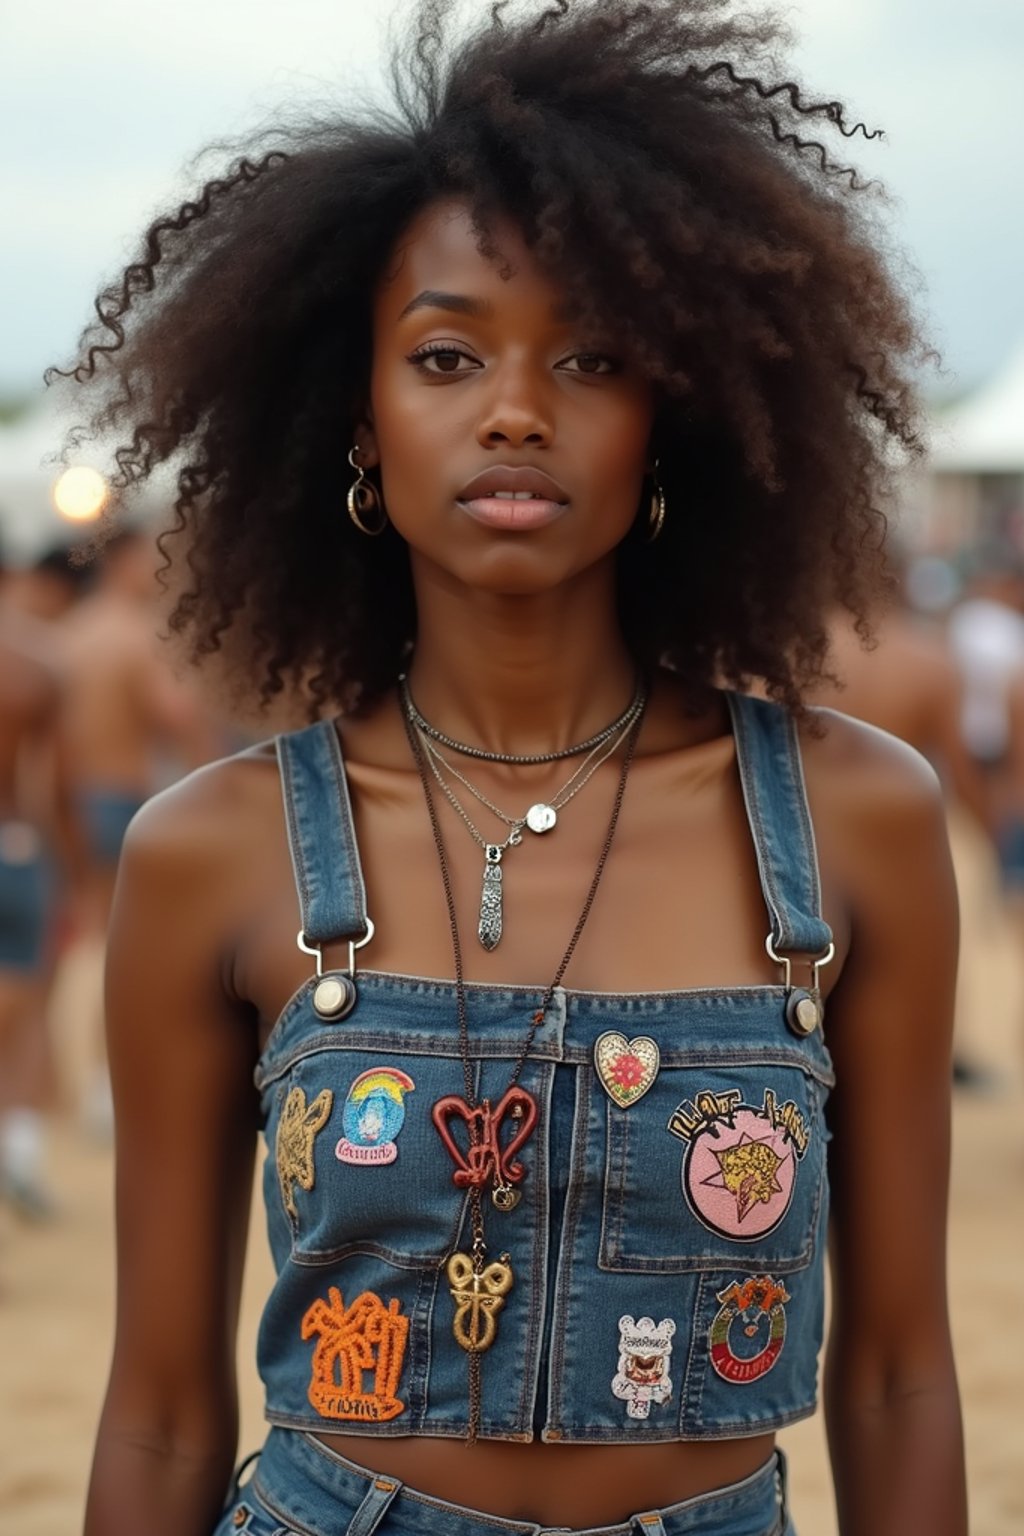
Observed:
{"x":656,"y":516}
{"x":363,"y":497}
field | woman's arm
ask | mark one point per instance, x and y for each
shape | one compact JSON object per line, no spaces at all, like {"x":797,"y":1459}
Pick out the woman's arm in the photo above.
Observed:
{"x":891,"y":1396}
{"x":181,"y":1058}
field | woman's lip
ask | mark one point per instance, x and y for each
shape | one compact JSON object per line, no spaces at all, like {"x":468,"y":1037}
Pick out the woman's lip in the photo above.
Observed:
{"x":512,"y":516}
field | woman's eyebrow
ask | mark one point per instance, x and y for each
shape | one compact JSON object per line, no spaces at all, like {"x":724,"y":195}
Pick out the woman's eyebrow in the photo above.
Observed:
{"x":464,"y":304}
{"x":455,"y":303}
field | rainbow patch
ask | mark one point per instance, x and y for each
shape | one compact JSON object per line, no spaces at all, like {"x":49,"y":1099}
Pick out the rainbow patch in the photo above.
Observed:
{"x":374,"y":1114}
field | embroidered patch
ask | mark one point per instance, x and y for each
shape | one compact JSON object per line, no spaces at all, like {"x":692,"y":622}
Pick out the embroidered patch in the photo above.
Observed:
{"x":739,"y":1171}
{"x":642,"y":1377}
{"x":374,"y":1114}
{"x":296,"y":1132}
{"x":357,"y":1360}
{"x":626,"y":1068}
{"x":749,"y":1329}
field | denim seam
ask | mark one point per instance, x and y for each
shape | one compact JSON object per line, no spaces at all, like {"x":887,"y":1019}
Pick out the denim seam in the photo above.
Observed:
{"x":694,"y":1379}
{"x":755,"y":818}
{"x":809,"y":861}
{"x":317,"y":1258}
{"x":567,"y":1257}
{"x":446,"y":1046}
{"x":295,"y":846}
{"x":538,"y":1273}
{"x":353,"y":870}
{"x":291,"y":1524}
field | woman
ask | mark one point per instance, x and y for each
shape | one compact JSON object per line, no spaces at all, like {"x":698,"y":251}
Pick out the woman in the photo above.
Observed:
{"x":604,"y":335}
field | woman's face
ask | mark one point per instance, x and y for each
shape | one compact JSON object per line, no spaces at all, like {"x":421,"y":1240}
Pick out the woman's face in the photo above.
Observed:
{"x":483,"y":391}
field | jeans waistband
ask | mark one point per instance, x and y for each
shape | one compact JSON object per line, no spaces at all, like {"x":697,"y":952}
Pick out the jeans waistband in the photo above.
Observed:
{"x":314,"y":1489}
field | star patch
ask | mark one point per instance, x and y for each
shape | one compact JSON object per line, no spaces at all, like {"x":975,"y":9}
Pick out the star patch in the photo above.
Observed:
{"x":740,"y":1167}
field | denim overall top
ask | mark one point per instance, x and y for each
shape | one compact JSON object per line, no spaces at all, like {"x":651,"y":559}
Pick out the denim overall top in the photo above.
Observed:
{"x":668,"y":1247}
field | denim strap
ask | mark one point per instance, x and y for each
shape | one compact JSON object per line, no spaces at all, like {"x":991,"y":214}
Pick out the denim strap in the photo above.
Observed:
{"x":374,"y":1507}
{"x":771,"y":773}
{"x":648,"y":1525}
{"x":318,"y":813}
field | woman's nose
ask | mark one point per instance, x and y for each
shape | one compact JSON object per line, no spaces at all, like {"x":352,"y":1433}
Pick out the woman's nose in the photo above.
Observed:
{"x":516,"y":412}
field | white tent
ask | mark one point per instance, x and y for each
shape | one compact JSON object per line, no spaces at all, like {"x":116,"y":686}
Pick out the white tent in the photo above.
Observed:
{"x":984,"y":434}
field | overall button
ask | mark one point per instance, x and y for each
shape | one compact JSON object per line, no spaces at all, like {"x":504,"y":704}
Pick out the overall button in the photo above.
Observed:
{"x":334,"y":996}
{"x":803,"y":1012}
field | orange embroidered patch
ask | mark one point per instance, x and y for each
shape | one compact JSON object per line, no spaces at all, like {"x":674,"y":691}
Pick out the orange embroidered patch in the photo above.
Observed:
{"x":296,"y":1132}
{"x":364,"y":1339}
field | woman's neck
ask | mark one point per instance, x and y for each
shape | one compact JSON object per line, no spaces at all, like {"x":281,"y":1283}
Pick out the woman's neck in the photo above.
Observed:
{"x":520,"y":674}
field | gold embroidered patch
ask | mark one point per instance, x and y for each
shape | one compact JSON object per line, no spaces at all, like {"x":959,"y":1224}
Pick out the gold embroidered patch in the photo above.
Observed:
{"x":296,"y":1132}
{"x":365,"y":1337}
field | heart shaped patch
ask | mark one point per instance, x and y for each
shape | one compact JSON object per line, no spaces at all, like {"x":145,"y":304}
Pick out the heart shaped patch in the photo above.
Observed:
{"x":626,"y":1068}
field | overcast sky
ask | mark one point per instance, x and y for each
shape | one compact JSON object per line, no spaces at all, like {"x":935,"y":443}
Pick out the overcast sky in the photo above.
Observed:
{"x":105,"y":101}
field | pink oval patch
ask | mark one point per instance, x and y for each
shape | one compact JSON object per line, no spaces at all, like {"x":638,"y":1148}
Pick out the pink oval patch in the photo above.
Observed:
{"x":739,"y":1178}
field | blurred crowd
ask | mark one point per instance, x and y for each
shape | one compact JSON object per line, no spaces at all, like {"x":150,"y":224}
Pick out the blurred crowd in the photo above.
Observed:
{"x":94,"y":720}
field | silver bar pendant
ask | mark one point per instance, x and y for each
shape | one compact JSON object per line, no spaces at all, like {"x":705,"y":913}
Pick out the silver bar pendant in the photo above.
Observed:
{"x":489,"y":928}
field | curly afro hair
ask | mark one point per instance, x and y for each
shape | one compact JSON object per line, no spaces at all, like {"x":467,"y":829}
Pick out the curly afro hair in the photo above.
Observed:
{"x":662,"y":167}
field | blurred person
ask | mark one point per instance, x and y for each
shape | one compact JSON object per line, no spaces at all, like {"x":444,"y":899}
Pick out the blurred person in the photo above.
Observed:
{"x":986,"y":636}
{"x":907,"y":683}
{"x":128,"y":726}
{"x":36,"y":823}
{"x":619,"y":375}
{"x":49,"y":585}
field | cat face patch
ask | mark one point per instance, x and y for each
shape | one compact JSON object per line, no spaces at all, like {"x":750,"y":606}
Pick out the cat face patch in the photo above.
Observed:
{"x":740,"y":1167}
{"x":644,"y":1351}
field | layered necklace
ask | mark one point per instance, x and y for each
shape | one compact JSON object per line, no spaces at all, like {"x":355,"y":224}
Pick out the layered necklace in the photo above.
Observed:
{"x":479,"y":1286}
{"x":539,"y":818}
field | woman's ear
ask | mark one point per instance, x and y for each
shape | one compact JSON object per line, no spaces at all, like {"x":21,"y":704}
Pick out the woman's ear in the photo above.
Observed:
{"x":366,"y":444}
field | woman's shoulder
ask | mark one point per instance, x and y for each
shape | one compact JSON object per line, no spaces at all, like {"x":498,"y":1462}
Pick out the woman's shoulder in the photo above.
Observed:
{"x":204,"y":822}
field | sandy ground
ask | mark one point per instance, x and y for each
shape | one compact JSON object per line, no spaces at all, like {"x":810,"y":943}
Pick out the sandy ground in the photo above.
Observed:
{"x":56,"y":1288}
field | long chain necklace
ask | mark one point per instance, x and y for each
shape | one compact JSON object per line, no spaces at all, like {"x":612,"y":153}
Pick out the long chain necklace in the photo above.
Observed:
{"x":479,"y":1287}
{"x":521,"y":758}
{"x":540,"y":818}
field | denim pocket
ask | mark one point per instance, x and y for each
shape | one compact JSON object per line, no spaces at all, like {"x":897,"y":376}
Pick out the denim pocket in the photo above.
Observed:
{"x":350,"y":1138}
{"x":717,"y":1165}
{"x":247,"y":1516}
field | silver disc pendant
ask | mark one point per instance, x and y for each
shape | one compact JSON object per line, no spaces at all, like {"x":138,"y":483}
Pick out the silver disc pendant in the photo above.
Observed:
{"x":541,"y":817}
{"x":489,"y":928}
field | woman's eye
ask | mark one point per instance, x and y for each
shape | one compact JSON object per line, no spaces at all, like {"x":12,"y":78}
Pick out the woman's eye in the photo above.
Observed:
{"x":590,"y":363}
{"x":442,"y":360}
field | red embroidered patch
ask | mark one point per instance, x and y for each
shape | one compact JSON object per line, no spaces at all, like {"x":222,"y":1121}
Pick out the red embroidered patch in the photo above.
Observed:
{"x":364,"y":1340}
{"x":759,"y":1302}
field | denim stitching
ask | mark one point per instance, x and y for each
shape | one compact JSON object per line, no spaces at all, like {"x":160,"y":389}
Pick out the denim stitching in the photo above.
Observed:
{"x":284,"y":759}
{"x":356,"y":894}
{"x":811,"y":848}
{"x":441,"y":1046}
{"x":696,"y":1396}
{"x":290,"y":1523}
{"x":746,"y":751}
{"x":538,"y":1269}
{"x":567,"y":1256}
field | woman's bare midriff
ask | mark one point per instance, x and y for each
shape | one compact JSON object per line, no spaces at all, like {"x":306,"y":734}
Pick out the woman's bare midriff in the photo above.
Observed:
{"x":558,"y":1485}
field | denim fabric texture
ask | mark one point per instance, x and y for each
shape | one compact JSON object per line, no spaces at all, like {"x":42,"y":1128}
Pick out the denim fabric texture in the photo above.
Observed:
{"x":668,"y":1257}
{"x":302,"y":1488}
{"x":105,"y":815}
{"x":26,"y":888}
